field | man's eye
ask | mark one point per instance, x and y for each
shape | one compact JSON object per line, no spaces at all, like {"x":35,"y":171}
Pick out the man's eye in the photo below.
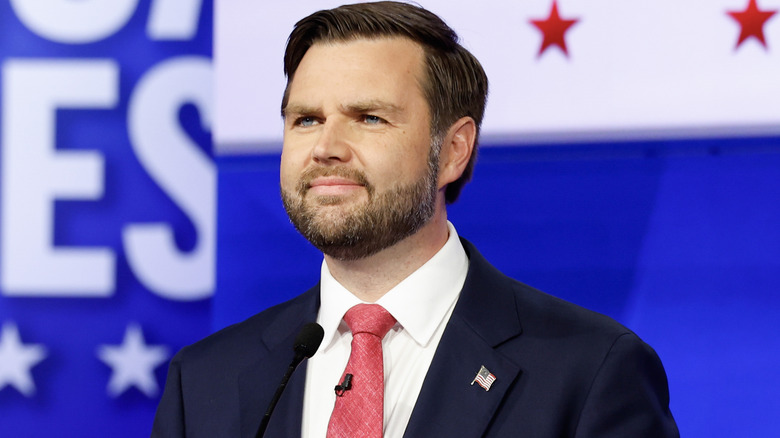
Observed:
{"x":372,"y":120}
{"x":306,"y":121}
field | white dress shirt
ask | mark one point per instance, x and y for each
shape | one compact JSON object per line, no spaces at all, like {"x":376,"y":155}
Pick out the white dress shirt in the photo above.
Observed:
{"x":422,"y":305}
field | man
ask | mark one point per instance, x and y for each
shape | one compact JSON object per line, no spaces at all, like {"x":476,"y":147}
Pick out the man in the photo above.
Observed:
{"x":381,"y":119}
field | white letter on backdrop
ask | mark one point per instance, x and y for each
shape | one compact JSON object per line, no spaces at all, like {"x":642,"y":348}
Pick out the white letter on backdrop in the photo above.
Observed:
{"x":74,"y":21}
{"x":35,"y":174}
{"x":173,"y":19}
{"x":184,"y":171}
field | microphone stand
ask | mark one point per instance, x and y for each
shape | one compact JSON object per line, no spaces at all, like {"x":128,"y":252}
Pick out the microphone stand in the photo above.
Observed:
{"x":278,"y":394}
{"x":306,"y":344}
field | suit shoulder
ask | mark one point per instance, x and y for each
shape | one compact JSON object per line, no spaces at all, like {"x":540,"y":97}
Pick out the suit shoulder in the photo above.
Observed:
{"x":272,"y":323}
{"x":538,"y":308}
{"x":539,"y":313}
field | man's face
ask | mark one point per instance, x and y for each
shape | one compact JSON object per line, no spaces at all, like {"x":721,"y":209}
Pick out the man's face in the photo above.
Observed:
{"x":356,"y":176}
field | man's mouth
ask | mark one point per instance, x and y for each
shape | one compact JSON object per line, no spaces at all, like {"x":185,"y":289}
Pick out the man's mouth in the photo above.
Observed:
{"x":333,"y":186}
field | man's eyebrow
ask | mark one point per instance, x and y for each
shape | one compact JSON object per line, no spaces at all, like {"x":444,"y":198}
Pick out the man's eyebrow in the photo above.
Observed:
{"x":370,"y":106}
{"x":355,"y":107}
{"x":298,"y":110}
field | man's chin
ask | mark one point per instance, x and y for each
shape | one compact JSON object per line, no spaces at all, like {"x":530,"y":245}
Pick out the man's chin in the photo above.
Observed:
{"x":314,"y":201}
{"x":326,"y":201}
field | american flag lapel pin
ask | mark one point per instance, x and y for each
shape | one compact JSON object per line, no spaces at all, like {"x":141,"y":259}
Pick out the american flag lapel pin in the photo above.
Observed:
{"x":484,"y":378}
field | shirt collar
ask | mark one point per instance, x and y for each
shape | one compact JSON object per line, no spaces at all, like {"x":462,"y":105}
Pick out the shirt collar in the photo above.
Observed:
{"x":433,"y":288}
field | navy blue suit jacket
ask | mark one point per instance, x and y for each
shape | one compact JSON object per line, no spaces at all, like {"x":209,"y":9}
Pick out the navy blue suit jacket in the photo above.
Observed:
{"x":561,"y":371}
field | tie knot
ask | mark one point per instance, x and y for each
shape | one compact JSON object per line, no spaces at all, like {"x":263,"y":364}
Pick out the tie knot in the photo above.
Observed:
{"x":369,"y":318}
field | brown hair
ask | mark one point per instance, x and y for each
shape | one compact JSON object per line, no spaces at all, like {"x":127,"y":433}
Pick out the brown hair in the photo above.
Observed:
{"x":455,"y":85}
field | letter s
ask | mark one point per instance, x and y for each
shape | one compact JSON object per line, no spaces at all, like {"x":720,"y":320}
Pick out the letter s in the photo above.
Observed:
{"x":183,"y":171}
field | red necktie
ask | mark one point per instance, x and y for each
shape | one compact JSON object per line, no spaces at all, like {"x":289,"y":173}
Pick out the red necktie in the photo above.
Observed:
{"x":359,"y":412}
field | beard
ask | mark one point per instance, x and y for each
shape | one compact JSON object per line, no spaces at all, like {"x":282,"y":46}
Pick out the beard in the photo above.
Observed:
{"x":357,"y":231}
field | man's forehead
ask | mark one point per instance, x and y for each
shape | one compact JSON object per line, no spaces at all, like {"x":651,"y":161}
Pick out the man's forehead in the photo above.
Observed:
{"x":369,"y":57}
{"x":400,"y":43}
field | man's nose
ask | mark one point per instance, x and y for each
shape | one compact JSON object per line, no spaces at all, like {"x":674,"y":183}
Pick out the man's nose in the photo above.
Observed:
{"x":333,"y":144}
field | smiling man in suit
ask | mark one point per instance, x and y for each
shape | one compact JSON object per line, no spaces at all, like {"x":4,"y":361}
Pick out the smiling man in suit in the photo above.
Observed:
{"x":381,"y":120}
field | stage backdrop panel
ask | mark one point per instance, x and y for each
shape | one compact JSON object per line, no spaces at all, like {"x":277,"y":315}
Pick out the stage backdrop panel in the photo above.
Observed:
{"x":560,"y":70}
{"x":107,"y":208}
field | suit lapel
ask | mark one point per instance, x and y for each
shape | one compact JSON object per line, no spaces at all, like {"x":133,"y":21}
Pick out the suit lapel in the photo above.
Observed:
{"x":258,"y":383}
{"x":484,"y":317}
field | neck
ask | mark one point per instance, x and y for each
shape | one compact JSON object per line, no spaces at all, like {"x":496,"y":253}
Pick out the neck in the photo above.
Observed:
{"x":372,"y":277}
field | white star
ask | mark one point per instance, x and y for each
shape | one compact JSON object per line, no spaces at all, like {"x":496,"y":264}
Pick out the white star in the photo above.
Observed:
{"x":16,"y":359}
{"x":133,"y":363}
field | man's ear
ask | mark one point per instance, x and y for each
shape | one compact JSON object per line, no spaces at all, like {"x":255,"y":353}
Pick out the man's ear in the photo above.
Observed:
{"x":456,"y":150}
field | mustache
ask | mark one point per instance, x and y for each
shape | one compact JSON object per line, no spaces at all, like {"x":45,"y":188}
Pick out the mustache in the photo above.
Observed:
{"x":308,"y":175}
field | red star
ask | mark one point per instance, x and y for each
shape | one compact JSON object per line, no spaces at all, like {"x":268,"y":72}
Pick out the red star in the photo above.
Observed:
{"x":553,"y":29}
{"x":752,"y":22}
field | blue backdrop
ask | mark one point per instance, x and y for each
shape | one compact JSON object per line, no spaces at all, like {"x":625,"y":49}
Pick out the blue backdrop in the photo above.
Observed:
{"x":72,"y":363}
{"x":679,"y":240}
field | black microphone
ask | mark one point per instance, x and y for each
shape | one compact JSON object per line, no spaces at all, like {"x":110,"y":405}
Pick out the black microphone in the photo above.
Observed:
{"x":306,"y":344}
